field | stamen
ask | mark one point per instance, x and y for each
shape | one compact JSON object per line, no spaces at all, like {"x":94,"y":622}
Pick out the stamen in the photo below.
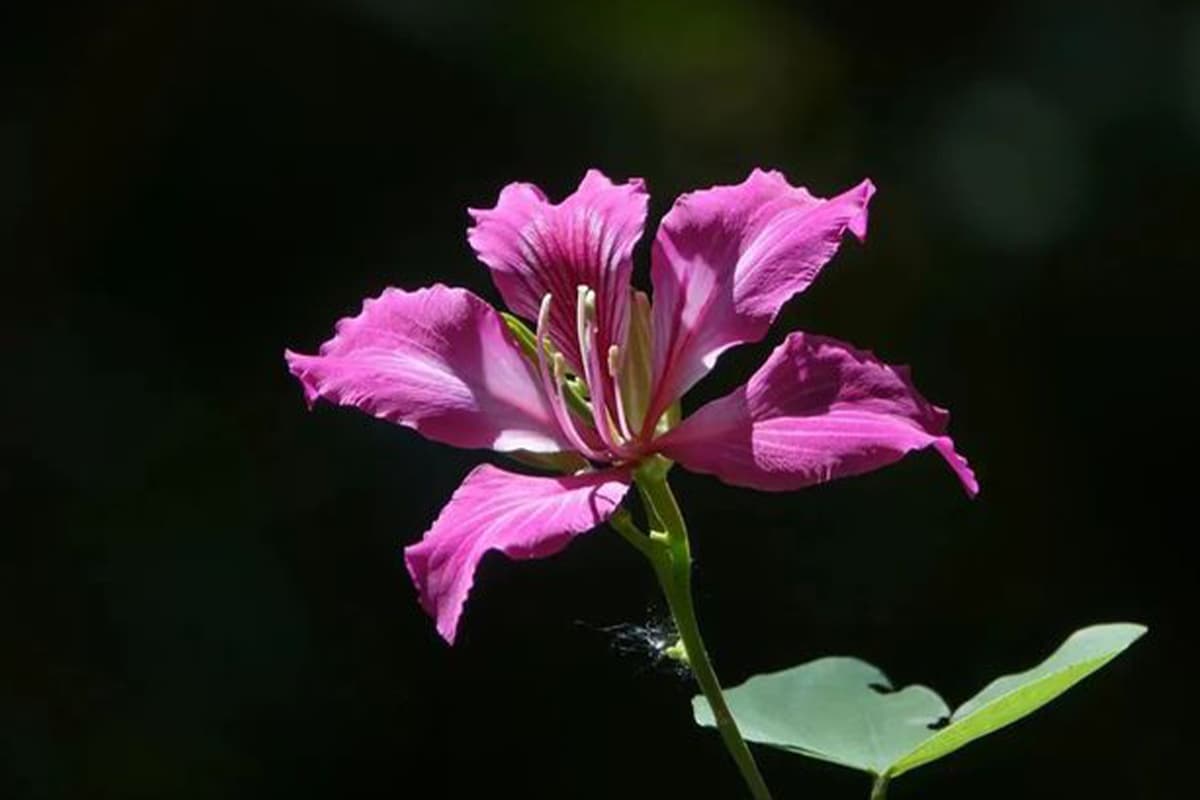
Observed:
{"x":543,"y":319}
{"x":585,"y":313}
{"x":567,"y":420}
{"x":593,"y":374}
{"x":598,"y":390}
{"x":553,"y":388}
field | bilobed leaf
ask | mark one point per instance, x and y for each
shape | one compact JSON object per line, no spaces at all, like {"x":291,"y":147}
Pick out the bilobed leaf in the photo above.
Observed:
{"x":1007,"y":699}
{"x":827,"y":709}
{"x":842,"y":710}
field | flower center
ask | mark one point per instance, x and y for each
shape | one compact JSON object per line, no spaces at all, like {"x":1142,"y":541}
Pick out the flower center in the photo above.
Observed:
{"x":589,"y":400}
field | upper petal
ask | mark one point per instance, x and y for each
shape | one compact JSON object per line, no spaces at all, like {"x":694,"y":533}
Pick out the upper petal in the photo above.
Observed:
{"x":816,"y":410}
{"x":439,"y":360}
{"x":522,"y":516}
{"x":534,"y":247}
{"x":726,"y":259}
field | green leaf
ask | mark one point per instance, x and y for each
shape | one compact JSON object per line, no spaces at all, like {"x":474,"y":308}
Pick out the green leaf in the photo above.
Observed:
{"x":827,"y":709}
{"x":843,"y":710}
{"x":1007,"y":699}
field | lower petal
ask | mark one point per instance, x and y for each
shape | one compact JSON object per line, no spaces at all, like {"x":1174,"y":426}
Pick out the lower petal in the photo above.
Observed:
{"x":522,"y":516}
{"x":816,"y":410}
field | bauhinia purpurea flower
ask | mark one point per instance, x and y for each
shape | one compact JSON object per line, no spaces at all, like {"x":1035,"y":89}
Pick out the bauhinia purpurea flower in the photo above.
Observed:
{"x":593,"y":390}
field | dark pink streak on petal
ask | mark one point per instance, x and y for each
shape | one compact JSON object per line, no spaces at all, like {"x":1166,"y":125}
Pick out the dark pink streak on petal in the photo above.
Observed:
{"x":521,"y":516}
{"x":534,"y":247}
{"x":439,"y":360}
{"x":816,"y":410}
{"x":726,"y":259}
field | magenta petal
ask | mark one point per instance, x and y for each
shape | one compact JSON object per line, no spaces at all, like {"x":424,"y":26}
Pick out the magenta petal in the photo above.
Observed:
{"x":439,"y":360}
{"x":534,"y":247}
{"x":816,"y":410}
{"x":725,"y":261}
{"x":522,"y":516}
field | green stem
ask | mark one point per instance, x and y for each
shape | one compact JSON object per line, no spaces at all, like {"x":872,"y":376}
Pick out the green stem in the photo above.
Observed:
{"x":670,"y":554}
{"x":879,"y":788}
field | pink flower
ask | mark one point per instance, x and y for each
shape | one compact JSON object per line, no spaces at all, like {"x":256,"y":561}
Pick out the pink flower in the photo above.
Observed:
{"x":595,"y":389}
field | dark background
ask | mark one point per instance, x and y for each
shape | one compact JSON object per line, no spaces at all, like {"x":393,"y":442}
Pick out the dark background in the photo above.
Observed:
{"x":204,"y":594}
